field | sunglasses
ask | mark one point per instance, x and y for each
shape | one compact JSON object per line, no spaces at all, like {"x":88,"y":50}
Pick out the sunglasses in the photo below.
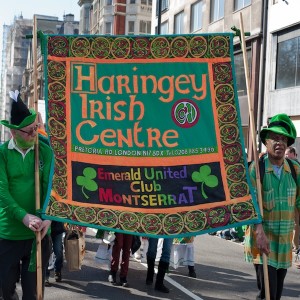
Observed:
{"x":31,"y":131}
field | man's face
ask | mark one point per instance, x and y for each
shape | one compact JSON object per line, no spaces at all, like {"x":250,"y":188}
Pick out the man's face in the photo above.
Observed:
{"x":290,"y":154}
{"x":25,"y":137}
{"x":276,"y":145}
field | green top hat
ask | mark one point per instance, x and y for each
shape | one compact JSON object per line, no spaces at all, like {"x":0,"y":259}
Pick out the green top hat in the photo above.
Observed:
{"x":20,"y":115}
{"x":280,"y":124}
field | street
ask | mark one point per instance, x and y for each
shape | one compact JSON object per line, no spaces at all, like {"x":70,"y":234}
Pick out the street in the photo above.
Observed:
{"x":221,"y":271}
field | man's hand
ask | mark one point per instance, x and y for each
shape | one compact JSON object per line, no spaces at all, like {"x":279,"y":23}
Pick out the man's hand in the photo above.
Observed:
{"x":44,"y":227}
{"x":32,"y":222}
{"x":262,"y":241}
{"x":36,"y":224}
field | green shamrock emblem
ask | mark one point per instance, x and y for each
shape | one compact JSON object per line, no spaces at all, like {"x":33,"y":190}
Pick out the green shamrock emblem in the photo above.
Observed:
{"x":86,"y":181}
{"x":204,"y":176}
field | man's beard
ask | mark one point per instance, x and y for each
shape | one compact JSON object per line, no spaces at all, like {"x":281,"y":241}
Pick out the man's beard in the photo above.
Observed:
{"x":24,"y":144}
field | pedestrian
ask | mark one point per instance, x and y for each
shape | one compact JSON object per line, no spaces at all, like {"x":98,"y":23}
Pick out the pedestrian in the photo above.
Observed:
{"x":163,"y":265}
{"x":292,"y":154}
{"x":122,"y":242}
{"x":280,"y":196}
{"x":182,"y":254}
{"x":57,"y":231}
{"x":19,"y":220}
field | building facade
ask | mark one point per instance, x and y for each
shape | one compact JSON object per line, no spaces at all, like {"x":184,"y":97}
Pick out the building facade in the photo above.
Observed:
{"x":47,"y":25}
{"x":213,"y":16}
{"x":85,"y":16}
{"x":3,"y":91}
{"x":118,"y":17}
{"x":282,"y":84}
{"x":15,"y":46}
{"x":17,"y":61}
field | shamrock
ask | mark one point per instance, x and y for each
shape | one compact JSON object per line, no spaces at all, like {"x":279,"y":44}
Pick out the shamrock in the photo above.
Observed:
{"x":204,"y":176}
{"x":87,"y":181}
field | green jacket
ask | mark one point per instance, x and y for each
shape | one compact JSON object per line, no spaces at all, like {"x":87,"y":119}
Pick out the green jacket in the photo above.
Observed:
{"x":17,"y":188}
{"x":280,"y":197}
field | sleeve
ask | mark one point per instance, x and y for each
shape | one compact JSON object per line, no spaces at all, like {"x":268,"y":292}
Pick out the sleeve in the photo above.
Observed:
{"x":297,"y":169}
{"x":252,"y":173}
{"x":7,"y":202}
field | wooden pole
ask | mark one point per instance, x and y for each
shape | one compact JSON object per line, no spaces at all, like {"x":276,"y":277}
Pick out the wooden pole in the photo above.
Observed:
{"x":253,"y":135}
{"x":39,"y":284}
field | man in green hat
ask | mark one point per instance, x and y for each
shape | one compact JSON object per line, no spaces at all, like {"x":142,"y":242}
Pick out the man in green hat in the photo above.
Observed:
{"x":19,"y":219}
{"x":280,"y":197}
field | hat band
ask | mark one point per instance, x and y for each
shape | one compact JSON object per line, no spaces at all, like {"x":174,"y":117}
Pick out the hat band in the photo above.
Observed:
{"x":281,"y":124}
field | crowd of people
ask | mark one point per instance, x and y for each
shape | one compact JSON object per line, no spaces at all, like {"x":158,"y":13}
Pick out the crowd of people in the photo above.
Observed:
{"x":277,"y":236}
{"x":164,"y":255}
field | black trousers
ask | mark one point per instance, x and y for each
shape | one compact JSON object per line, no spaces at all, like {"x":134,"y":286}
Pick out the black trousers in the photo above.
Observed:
{"x":14,"y":263}
{"x":276,"y":280}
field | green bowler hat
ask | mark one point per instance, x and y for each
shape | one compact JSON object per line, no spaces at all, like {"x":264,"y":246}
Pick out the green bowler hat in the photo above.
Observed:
{"x":280,"y":124}
{"x":20,"y":115}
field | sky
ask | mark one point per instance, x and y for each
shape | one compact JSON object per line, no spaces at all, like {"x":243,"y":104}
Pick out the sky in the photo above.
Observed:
{"x":28,"y":8}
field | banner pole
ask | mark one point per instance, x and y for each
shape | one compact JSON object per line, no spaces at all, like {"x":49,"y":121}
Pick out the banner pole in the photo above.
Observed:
{"x":253,"y":135}
{"x":39,"y":285}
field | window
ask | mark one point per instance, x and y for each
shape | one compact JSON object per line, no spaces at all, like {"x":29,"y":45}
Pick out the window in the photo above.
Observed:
{"x":164,"y":5}
{"x":130,"y":27}
{"x":239,"y":4}
{"x":132,"y":1}
{"x":288,"y":58}
{"x":164,"y":28}
{"x":240,"y":71}
{"x":145,"y":26}
{"x":178,"y":23}
{"x":107,"y":28}
{"x":146,"y":2}
{"x":108,"y":2}
{"x":196,"y":16}
{"x":216,"y":10}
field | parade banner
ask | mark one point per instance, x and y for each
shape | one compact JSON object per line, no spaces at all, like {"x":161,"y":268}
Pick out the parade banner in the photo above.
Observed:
{"x":146,"y":134}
